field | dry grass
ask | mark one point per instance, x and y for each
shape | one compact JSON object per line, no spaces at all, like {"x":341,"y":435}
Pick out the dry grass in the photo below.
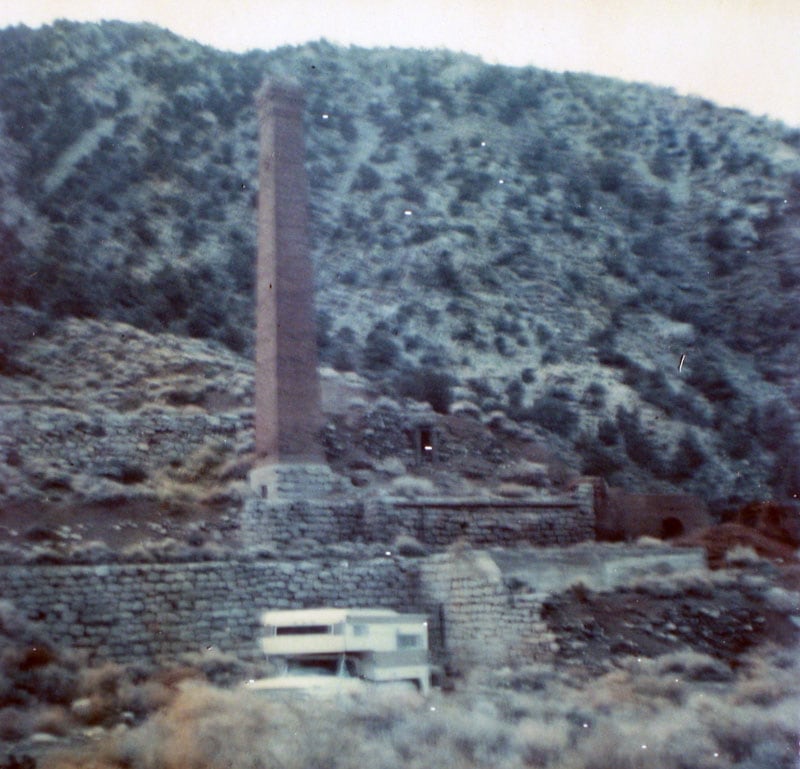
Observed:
{"x":674,"y":712}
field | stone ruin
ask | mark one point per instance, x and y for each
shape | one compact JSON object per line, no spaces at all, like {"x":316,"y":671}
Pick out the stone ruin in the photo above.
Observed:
{"x":485,"y":605}
{"x":291,"y":481}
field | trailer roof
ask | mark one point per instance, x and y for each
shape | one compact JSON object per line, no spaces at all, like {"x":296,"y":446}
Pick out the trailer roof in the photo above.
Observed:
{"x":330,"y":616}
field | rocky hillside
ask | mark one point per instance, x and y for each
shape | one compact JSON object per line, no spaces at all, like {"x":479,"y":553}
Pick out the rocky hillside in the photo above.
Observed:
{"x":615,"y":267}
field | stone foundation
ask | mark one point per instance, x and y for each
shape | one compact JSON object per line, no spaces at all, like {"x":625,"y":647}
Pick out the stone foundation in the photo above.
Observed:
{"x":293,"y":481}
{"x":286,"y":514}
{"x":265,"y":522}
{"x":440,"y":521}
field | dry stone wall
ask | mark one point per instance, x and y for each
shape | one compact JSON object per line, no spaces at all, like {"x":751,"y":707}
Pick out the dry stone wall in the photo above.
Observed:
{"x":434,"y":521}
{"x":109,"y":444}
{"x":486,"y":605}
{"x":476,"y":618}
{"x":265,"y":522}
{"x":149,"y":611}
{"x":483,"y":606}
{"x":439,"y":522}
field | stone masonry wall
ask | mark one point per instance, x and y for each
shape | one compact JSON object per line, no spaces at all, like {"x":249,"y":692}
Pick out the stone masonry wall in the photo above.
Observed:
{"x":146,"y":611}
{"x":110,"y":444}
{"x":439,"y":522}
{"x":265,"y":522}
{"x":483,"y":606}
{"x":435,"y":521}
{"x":476,"y":617}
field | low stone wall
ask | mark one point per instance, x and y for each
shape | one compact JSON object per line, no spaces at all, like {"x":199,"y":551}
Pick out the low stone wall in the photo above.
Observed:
{"x":149,"y":611}
{"x":269,"y":522}
{"x":504,"y":522}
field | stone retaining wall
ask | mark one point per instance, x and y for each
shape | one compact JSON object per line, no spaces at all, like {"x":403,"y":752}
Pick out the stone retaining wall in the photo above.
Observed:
{"x":264,"y":522}
{"x":484,"y":606}
{"x":109,"y":444}
{"x":433,"y":521}
{"x":148,"y":611}
{"x":439,"y":522}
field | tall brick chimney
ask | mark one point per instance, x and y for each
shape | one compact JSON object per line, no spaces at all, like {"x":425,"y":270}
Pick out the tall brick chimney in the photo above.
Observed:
{"x":288,"y":415}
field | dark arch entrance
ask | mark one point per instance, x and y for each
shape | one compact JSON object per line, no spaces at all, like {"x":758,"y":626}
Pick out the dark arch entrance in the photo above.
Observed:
{"x":671,"y":527}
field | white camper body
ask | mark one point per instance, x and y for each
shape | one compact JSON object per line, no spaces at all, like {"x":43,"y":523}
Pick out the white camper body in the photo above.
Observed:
{"x":378,"y":645}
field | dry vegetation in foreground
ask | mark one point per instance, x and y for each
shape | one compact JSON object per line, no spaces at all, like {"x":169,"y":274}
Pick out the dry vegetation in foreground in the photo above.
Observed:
{"x":672,"y":712}
{"x":48,"y":693}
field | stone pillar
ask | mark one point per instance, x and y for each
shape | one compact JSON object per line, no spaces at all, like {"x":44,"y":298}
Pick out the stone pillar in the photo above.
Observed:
{"x":288,"y":415}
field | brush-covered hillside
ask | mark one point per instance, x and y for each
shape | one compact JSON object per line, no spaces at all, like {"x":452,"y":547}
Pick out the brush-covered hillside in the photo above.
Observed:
{"x":614,"y":266}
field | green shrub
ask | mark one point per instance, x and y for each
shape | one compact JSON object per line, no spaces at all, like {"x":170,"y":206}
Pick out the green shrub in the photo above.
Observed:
{"x":381,"y":351}
{"x":710,"y":378}
{"x":426,"y":384}
{"x":597,"y":459}
{"x":428,"y":162}
{"x":555,"y":413}
{"x":773,"y":423}
{"x":638,"y":445}
{"x":367,"y":179}
{"x":607,"y":432}
{"x":594,"y":396}
{"x":687,"y":457}
{"x":663,"y":164}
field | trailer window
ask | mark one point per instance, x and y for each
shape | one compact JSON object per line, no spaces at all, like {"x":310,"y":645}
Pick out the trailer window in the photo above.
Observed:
{"x":408,"y":641}
{"x":303,"y":630}
{"x":360,"y":630}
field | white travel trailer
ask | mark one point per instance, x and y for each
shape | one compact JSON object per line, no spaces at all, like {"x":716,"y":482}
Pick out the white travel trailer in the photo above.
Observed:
{"x":333,"y":648}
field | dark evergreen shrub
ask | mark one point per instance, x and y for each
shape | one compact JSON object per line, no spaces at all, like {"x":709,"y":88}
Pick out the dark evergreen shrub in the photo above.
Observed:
{"x":663,"y":164}
{"x":555,"y":414}
{"x":774,"y":422}
{"x":710,"y":379}
{"x":367,"y":179}
{"x":594,"y":396}
{"x":502,"y":345}
{"x":381,"y":351}
{"x":428,"y":161}
{"x":607,"y":432}
{"x":597,"y":458}
{"x":687,"y":457}
{"x":610,"y":175}
{"x":551,"y":355}
{"x":638,"y":445}
{"x":426,"y":384}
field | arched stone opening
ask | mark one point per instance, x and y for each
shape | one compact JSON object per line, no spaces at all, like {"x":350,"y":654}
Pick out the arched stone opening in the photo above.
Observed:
{"x":671,"y":527}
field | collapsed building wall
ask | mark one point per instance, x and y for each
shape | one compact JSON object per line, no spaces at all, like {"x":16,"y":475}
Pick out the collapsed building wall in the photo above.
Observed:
{"x":486,"y":606}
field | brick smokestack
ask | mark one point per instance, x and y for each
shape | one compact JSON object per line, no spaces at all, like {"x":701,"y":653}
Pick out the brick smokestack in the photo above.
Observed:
{"x":287,"y":390}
